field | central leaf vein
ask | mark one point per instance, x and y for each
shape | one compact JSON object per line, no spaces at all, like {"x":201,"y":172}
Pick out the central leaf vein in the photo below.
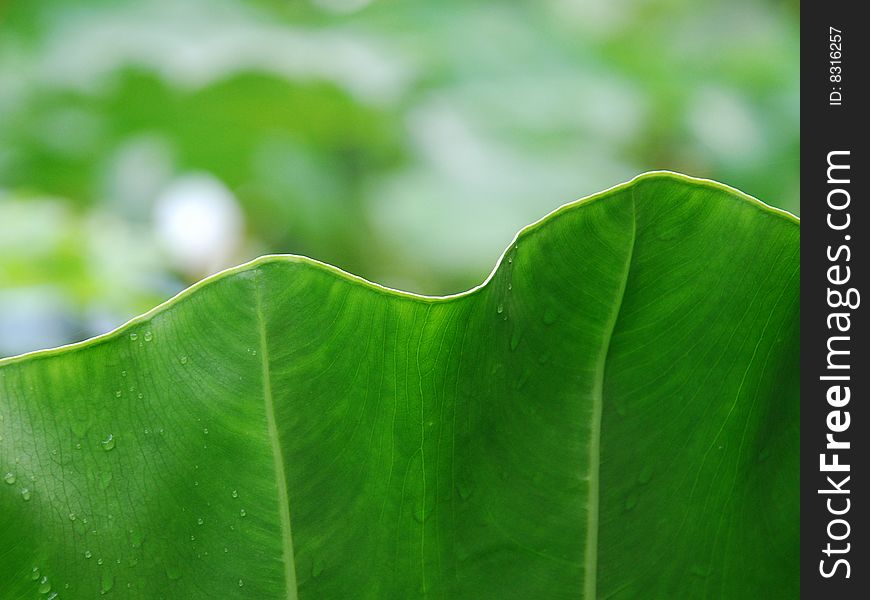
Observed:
{"x":591,"y":553}
{"x":277,"y":454}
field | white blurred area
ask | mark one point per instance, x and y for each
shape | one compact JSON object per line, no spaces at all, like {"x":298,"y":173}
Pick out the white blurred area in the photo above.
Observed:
{"x":199,"y":224}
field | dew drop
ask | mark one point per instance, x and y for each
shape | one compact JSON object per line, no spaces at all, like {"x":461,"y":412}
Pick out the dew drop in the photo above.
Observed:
{"x":52,"y":596}
{"x":117,"y":393}
{"x":183,"y":360}
{"x":44,"y":585}
{"x":88,"y":554}
{"x":500,"y":308}
{"x":134,"y":337}
{"x":34,"y":573}
{"x":226,"y":550}
{"x":645,"y":474}
{"x":205,"y":431}
{"x":72,"y":516}
{"x":510,"y":260}
{"x":510,"y":286}
{"x":140,"y":395}
{"x":173,"y":572}
{"x":316,"y":567}
{"x":549,"y":316}
{"x":523,"y":379}
{"x":243,"y":513}
{"x":108,"y":443}
{"x":9,"y":478}
{"x":464,"y":490}
{"x":136,"y":538}
{"x":700,"y":570}
{"x":422,"y":512}
{"x":199,"y":521}
{"x":25,"y":494}
{"x":235,"y":493}
{"x":148,"y":336}
{"x":99,"y":561}
{"x":78,"y":446}
{"x":241,"y":583}
{"x":123,"y":373}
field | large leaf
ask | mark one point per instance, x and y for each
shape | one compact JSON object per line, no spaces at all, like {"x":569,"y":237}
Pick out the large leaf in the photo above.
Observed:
{"x":613,"y":414}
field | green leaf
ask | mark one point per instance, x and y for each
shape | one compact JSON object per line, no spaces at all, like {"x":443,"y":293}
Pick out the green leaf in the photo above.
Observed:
{"x":612,"y":414}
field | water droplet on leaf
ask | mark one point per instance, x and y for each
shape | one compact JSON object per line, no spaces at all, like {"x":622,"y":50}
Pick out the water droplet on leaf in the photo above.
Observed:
{"x":464,"y":490}
{"x":173,"y":572}
{"x":108,"y":443}
{"x":549,"y":316}
{"x":316,"y":567}
{"x":700,"y":570}
{"x":645,"y":474}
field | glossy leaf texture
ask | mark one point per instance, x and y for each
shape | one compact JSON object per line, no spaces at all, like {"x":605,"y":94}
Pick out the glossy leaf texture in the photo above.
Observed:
{"x":612,"y":414}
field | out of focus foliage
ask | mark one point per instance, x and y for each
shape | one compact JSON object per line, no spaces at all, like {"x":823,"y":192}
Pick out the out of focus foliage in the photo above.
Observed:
{"x":147,"y":143}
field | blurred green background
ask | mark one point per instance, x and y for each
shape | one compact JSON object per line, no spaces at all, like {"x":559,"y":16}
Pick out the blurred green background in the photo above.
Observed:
{"x":145,"y":144}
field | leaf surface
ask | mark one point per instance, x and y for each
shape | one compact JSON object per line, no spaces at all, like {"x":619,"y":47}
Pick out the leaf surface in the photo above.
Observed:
{"x":612,"y":414}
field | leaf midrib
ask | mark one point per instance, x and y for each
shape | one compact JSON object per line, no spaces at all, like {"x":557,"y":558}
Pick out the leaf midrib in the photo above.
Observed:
{"x":277,"y":454}
{"x":590,"y":581}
